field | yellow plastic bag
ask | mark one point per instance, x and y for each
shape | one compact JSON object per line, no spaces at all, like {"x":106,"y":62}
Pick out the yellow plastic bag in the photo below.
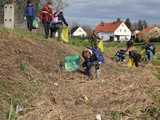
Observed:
{"x":101,"y":46}
{"x":65,"y":34}
{"x":130,"y":63}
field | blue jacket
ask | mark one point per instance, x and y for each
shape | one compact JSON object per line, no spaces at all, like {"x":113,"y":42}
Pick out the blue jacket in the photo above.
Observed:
{"x":30,"y":10}
{"x":98,"y":56}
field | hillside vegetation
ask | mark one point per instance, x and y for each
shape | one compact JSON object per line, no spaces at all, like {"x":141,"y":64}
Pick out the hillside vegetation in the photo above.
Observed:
{"x":31,"y":77}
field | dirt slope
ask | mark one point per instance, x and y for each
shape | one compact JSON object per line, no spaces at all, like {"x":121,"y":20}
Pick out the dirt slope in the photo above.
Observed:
{"x":31,"y":76}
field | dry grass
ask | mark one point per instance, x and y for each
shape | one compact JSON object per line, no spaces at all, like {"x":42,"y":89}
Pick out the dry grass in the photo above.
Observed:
{"x":30,"y":75}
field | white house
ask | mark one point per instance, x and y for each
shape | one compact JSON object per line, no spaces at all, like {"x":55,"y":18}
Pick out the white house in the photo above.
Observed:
{"x":116,"y":31}
{"x":78,"y":32}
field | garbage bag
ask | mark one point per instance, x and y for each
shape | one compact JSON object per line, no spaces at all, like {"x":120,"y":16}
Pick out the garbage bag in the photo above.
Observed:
{"x":65,"y":34}
{"x":72,"y":63}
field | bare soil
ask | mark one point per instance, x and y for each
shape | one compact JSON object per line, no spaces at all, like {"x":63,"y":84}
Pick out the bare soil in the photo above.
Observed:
{"x":30,"y":73}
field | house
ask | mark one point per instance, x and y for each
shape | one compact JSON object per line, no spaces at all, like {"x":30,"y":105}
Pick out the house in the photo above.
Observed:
{"x":115,"y":31}
{"x":149,"y":33}
{"x":135,"y":33}
{"x":78,"y":32}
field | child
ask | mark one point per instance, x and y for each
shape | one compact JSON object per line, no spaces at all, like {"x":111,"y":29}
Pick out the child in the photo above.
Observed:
{"x":150,"y":51}
{"x":120,"y":55}
{"x":135,"y":57}
{"x":92,"y":58}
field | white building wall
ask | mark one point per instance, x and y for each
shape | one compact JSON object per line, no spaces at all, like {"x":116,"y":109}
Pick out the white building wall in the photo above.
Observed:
{"x":105,"y":36}
{"x":79,"y":33}
{"x":124,"y":33}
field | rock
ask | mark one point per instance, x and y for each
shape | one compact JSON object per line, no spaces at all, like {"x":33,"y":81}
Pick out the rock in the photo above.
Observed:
{"x":98,"y":117}
{"x":56,"y":84}
{"x":82,"y":100}
{"x":19,"y":108}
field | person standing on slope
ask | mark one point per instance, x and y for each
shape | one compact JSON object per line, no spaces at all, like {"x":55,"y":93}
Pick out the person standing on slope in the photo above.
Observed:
{"x":58,"y":21}
{"x":46,"y":18}
{"x":29,"y":14}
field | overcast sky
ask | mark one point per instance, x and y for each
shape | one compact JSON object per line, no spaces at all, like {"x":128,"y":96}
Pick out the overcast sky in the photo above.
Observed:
{"x":92,"y":12}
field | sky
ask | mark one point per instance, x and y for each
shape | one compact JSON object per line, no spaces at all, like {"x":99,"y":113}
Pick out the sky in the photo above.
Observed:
{"x":91,"y":12}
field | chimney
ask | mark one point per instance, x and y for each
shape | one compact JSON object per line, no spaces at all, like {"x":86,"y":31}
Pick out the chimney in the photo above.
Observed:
{"x":102,"y":23}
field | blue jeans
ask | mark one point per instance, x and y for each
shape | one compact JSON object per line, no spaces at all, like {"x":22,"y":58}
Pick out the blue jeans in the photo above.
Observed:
{"x":149,"y":55}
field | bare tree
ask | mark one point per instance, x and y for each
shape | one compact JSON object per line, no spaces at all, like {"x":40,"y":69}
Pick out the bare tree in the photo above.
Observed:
{"x":59,"y":4}
{"x":88,"y":29}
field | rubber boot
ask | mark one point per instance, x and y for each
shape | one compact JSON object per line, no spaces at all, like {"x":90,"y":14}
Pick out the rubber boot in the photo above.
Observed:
{"x":98,"y":72}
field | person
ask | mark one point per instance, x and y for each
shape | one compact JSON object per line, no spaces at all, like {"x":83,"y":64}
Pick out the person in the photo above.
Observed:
{"x":92,"y":58}
{"x":129,"y":44}
{"x":120,"y":55}
{"x":46,"y":18}
{"x":94,"y":39}
{"x":58,"y":21}
{"x":29,"y":14}
{"x":150,"y":51}
{"x":135,"y":57}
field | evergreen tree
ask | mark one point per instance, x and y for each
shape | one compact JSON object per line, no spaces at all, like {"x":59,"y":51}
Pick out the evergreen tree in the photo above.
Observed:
{"x":145,"y":24}
{"x":140,"y":25}
{"x":118,"y":19}
{"x":128,"y":23}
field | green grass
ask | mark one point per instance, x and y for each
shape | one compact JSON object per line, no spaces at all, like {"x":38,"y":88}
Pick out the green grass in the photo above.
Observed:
{"x":26,"y":34}
{"x":23,"y":67}
{"x":21,"y":33}
{"x":115,"y":115}
{"x":79,"y":42}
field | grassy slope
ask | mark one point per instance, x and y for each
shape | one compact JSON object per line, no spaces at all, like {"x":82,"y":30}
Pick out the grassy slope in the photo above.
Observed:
{"x":30,"y":80}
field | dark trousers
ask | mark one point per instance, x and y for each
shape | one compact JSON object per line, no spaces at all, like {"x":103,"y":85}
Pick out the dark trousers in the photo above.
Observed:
{"x":53,"y":32}
{"x":29,"y":23}
{"x":46,"y":26}
{"x":88,"y":66}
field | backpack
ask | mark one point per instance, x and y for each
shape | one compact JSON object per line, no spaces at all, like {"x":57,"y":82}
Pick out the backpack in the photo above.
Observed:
{"x":99,"y":57}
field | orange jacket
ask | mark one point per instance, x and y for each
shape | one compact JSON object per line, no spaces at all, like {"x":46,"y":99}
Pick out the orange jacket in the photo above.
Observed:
{"x":46,"y":14}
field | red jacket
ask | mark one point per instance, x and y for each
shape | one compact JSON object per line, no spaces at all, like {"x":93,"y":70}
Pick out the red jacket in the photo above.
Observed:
{"x":46,"y":14}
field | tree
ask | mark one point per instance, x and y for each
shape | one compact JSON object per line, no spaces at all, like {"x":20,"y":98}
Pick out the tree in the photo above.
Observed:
{"x":145,"y":25}
{"x":59,"y":4}
{"x":88,"y":29}
{"x":128,"y":23}
{"x":3,"y":2}
{"x":118,"y":19}
{"x":140,"y":25}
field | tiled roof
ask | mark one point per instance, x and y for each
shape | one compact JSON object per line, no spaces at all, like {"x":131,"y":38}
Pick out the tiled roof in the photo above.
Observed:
{"x":107,"y":27}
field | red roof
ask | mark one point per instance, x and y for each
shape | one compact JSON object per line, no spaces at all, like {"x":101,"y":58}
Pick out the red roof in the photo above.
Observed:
{"x":108,"y":27}
{"x":146,"y":30}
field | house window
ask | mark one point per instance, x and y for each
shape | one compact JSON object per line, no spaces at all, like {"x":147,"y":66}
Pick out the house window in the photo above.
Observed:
{"x":125,"y":30}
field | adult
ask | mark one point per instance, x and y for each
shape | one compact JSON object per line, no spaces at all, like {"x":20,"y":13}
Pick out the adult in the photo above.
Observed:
{"x":58,"y":21}
{"x":46,"y":17}
{"x":29,"y":14}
